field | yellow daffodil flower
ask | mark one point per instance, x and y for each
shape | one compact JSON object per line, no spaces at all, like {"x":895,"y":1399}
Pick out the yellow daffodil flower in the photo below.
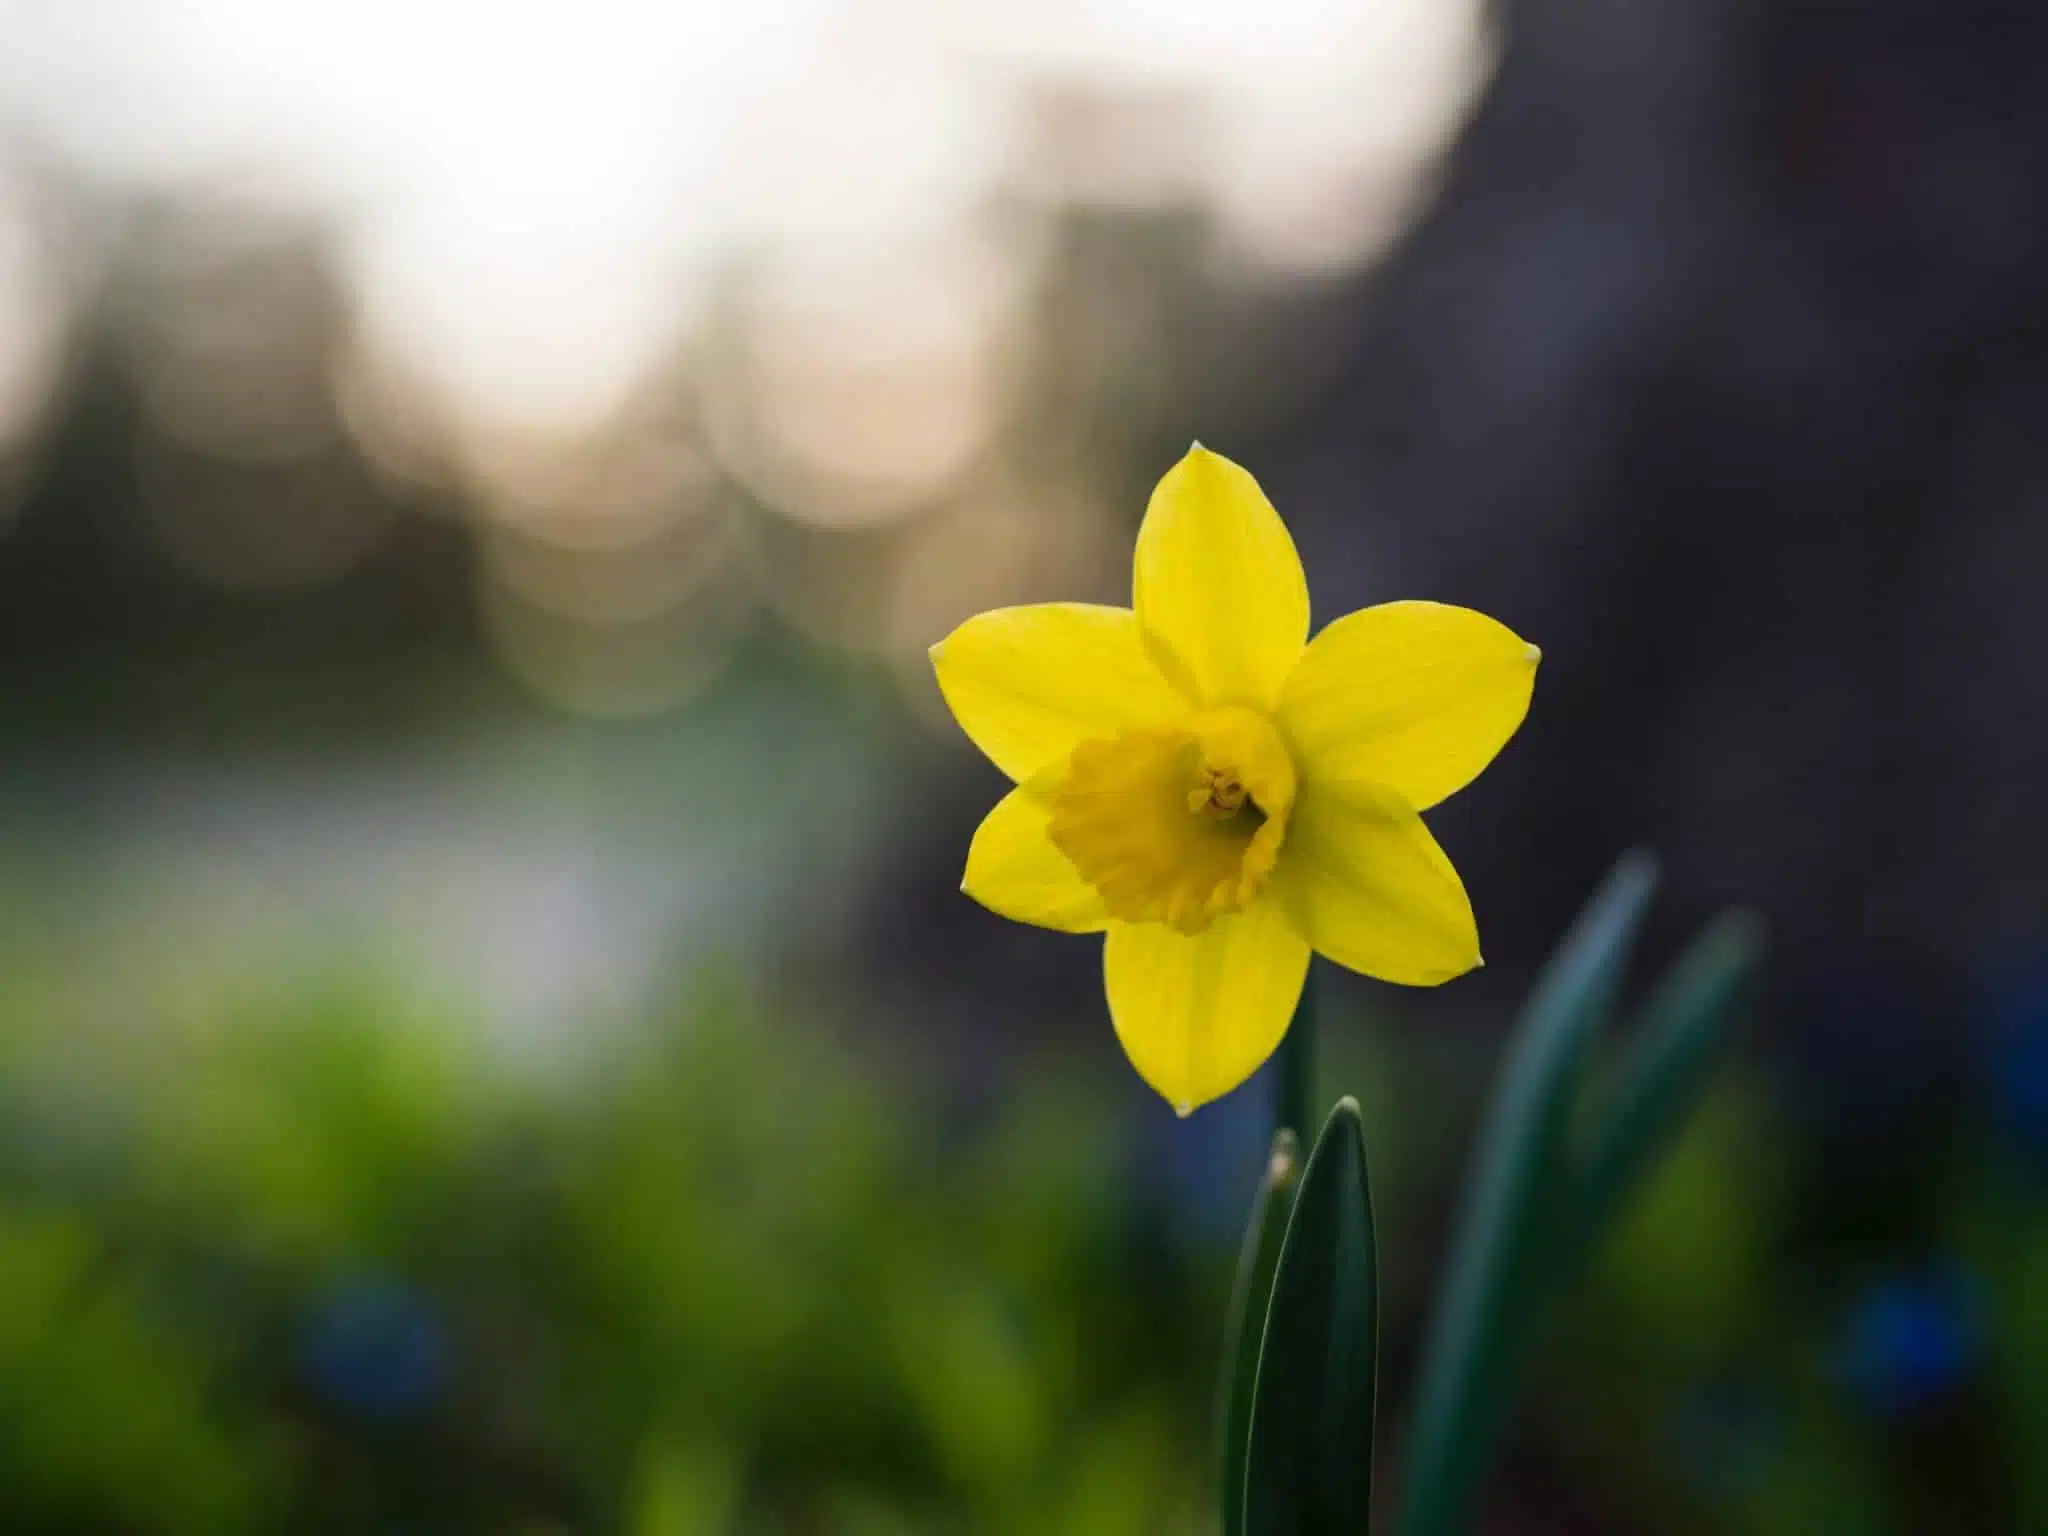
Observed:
{"x":1220,"y":794}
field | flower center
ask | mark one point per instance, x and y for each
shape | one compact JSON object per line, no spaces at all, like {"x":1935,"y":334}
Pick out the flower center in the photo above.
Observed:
{"x":1177,"y":823}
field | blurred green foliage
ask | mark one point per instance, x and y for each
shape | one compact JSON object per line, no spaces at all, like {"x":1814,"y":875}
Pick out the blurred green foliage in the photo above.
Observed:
{"x":316,"y":1256}
{"x":318,"y":1265}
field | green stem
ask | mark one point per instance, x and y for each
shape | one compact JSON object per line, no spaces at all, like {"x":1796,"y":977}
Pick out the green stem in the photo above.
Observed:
{"x":1294,"y":1098}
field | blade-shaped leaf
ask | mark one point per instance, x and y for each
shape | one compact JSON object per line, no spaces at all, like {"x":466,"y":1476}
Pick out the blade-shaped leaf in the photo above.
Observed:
{"x":1309,"y":1466}
{"x":1246,"y":1327}
{"x":1522,"y":1177}
{"x":1666,"y":1067}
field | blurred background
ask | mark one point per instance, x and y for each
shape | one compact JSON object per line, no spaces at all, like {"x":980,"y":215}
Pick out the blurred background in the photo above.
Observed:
{"x":489,"y":1037}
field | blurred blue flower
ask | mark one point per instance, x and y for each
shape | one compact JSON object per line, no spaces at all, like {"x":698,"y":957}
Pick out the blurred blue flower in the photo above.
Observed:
{"x":1910,"y":1340}
{"x":377,"y":1346}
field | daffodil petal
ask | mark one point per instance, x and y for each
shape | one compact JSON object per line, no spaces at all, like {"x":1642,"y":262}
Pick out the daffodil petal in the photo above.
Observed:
{"x":1365,"y":883}
{"x":1198,"y":1013}
{"x":1028,"y":685}
{"x":1416,"y":697}
{"x":1014,"y":870}
{"x":1217,"y":584}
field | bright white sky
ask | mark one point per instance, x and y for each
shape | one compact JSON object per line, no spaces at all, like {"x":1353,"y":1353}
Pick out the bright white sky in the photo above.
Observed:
{"x":526,"y":181}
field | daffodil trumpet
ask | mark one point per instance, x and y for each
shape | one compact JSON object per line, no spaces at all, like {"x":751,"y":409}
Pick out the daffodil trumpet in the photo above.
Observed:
{"x":1219,"y":794}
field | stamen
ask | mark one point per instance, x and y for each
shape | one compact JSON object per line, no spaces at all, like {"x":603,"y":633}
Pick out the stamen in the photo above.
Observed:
{"x":1177,"y":824}
{"x":1219,"y":794}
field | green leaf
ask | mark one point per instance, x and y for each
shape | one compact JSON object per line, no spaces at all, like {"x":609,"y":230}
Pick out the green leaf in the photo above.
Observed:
{"x":1309,"y":1464}
{"x":1665,"y":1069}
{"x":1523,"y":1180}
{"x":1246,"y":1327}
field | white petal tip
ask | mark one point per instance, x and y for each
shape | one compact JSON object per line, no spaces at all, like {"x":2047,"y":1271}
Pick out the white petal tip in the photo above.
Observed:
{"x":1532,"y":654}
{"x":1196,"y":446}
{"x":1182,"y":1111}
